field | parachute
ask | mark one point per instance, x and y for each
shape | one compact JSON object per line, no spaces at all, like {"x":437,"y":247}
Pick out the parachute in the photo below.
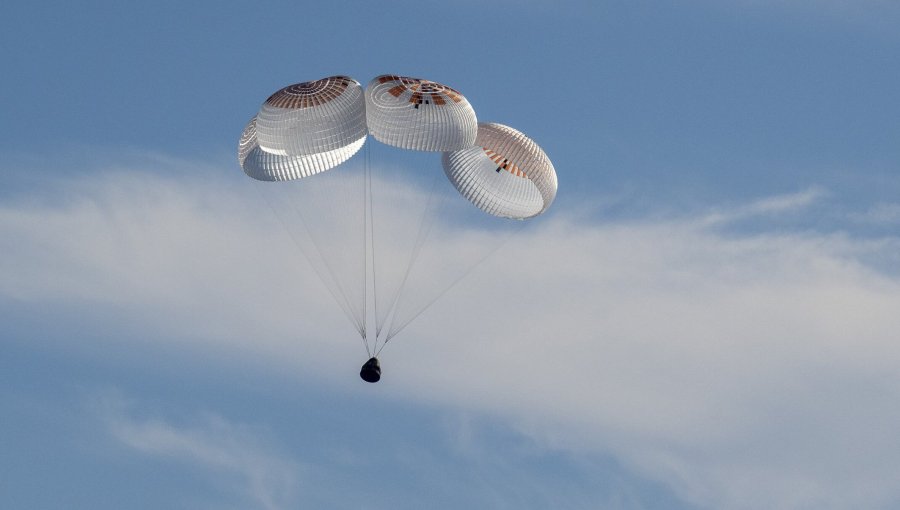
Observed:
{"x":304,"y":130}
{"x":267,"y":166}
{"x":417,"y":114}
{"x":505,"y":174}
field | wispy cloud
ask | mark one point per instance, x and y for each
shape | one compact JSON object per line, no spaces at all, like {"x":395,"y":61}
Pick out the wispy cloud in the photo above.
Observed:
{"x":741,"y":370}
{"x":232,"y":456}
{"x":879,"y":214}
{"x":718,"y":365}
{"x":765,"y":207}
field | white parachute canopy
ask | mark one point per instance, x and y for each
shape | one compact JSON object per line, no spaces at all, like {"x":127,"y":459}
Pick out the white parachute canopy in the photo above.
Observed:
{"x":304,"y":129}
{"x":505,"y":174}
{"x":417,"y":114}
{"x":266,"y":166}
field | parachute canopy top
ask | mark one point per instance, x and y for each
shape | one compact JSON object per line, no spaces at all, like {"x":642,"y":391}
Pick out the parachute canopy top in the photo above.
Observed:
{"x":420,"y":115}
{"x":304,"y":129}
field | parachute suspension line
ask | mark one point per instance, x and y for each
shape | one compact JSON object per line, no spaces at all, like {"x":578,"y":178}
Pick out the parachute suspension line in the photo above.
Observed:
{"x":365,"y":245}
{"x":354,"y":314}
{"x":392,"y":308}
{"x":371,"y":213}
{"x":421,"y":236}
{"x":365,"y":255}
{"x":427,"y":221}
{"x":342,"y":303}
{"x":394,"y":331}
{"x":346,"y":193}
{"x":341,"y":187}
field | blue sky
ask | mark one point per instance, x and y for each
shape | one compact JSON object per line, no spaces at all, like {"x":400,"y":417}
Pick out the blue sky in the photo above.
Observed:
{"x":708,"y":309}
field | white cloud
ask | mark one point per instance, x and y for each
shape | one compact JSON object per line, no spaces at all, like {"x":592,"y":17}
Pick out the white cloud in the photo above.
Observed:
{"x":742,"y":371}
{"x":224,"y":450}
{"x":766,"y":207}
{"x":882,"y":213}
{"x":753,"y":372}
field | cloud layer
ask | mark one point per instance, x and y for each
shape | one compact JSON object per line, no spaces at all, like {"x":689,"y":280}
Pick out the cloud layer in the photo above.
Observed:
{"x":742,"y":370}
{"x":226,"y":452}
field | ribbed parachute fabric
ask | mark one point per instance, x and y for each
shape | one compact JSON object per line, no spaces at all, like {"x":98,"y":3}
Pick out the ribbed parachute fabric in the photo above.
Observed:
{"x":312,"y":117}
{"x":506,"y":174}
{"x":417,"y":114}
{"x":265,"y":166}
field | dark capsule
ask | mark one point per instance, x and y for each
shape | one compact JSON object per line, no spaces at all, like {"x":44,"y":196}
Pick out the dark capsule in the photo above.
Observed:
{"x":371,"y":371}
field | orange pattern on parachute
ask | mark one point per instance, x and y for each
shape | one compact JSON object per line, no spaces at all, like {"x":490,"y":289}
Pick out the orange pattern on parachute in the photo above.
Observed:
{"x":422,"y":91}
{"x":504,"y":163}
{"x":310,"y":93}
